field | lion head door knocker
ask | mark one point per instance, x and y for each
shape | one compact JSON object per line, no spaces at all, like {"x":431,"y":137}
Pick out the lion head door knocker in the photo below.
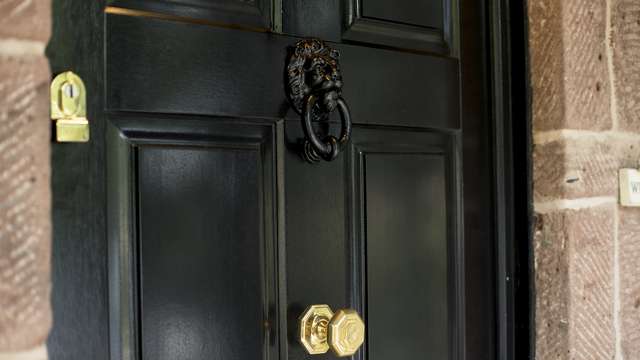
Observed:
{"x":315,"y":91}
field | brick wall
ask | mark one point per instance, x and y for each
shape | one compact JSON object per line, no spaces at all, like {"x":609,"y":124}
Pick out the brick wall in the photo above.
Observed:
{"x":25,"y":316}
{"x":585,"y":69}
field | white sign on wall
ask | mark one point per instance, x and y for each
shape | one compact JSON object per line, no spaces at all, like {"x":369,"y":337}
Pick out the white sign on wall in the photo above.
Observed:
{"x":630,"y":187}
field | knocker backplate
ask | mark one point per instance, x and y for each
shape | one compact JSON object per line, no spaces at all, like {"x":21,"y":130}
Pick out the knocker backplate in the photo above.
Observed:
{"x":312,"y":68}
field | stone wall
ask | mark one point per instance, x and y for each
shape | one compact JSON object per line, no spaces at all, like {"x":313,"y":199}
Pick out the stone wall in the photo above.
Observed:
{"x":25,"y":229}
{"x":585,"y":73}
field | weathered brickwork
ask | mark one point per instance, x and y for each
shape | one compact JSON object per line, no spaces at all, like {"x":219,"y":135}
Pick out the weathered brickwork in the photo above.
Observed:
{"x":568,"y":58}
{"x":24,"y":203}
{"x":590,"y":233}
{"x":584,"y":172}
{"x":25,"y":229}
{"x":552,"y":287}
{"x":574,"y":263}
{"x":629,"y":237}
{"x":25,"y":19}
{"x":582,"y":167}
{"x":546,"y":58}
{"x":585,"y":69}
{"x":586,"y":89}
{"x":626,"y":45}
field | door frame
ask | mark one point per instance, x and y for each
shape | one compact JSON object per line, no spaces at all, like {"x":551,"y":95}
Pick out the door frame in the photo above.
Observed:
{"x":76,"y":265}
{"x":512,"y":143}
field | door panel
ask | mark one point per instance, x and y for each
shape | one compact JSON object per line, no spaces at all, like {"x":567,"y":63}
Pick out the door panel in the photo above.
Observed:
{"x":406,"y":255}
{"x":227,"y":72}
{"x":201,"y":256}
{"x":314,"y":18}
{"x":424,"y":25}
{"x":406,"y":244}
{"x":201,"y":252}
{"x":425,"y":13}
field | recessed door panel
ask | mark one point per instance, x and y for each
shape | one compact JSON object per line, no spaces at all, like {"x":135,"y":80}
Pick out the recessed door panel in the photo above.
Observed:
{"x":424,"y":25}
{"x":427,"y":13}
{"x":407,"y":257}
{"x":200,"y":253}
{"x":407,"y":277}
{"x":193,"y":254}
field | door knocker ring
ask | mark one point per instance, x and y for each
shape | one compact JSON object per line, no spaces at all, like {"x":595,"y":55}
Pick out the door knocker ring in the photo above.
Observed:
{"x":315,"y":91}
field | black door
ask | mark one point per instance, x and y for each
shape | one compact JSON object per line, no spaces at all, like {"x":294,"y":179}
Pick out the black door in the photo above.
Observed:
{"x":192,"y":226}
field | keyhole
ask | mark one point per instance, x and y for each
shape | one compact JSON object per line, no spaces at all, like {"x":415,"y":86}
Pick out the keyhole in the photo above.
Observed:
{"x":70,"y":90}
{"x":70,"y":98}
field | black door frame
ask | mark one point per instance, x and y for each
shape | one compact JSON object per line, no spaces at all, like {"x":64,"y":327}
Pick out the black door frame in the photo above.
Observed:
{"x":77,"y":265}
{"x":511,"y":111}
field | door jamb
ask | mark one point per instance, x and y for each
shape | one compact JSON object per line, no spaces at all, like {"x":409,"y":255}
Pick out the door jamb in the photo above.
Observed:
{"x":512,"y":144}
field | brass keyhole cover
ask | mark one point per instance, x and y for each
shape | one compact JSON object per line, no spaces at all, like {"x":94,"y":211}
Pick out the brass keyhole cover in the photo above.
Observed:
{"x":69,"y":108}
{"x":68,"y":97}
{"x":321,"y":330}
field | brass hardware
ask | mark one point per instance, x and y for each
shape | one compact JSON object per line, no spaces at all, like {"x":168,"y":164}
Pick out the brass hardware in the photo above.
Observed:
{"x":69,"y":108}
{"x":321,"y":330}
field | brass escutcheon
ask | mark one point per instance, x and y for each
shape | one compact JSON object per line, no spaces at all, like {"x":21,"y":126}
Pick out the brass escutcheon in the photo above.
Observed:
{"x":69,"y":108}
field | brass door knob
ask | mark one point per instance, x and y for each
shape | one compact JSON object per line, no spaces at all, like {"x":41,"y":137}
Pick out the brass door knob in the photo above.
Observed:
{"x":321,"y":330}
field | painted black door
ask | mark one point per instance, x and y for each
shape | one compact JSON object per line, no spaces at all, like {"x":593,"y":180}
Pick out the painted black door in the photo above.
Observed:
{"x":204,"y":232}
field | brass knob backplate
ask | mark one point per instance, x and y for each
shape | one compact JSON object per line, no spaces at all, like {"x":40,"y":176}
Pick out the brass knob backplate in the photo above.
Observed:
{"x":321,"y":330}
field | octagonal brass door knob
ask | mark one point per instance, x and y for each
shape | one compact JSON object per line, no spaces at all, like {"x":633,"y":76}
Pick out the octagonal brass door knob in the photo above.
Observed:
{"x":321,"y":329}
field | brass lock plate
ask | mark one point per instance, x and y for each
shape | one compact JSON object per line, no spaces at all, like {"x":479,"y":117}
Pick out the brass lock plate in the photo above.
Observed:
{"x":69,"y":108}
{"x":72,"y":130}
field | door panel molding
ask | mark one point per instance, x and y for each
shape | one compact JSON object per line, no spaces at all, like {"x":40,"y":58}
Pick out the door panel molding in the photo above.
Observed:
{"x":389,"y":32}
{"x":244,"y":13}
{"x":372,"y":141}
{"x":126,"y":137}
